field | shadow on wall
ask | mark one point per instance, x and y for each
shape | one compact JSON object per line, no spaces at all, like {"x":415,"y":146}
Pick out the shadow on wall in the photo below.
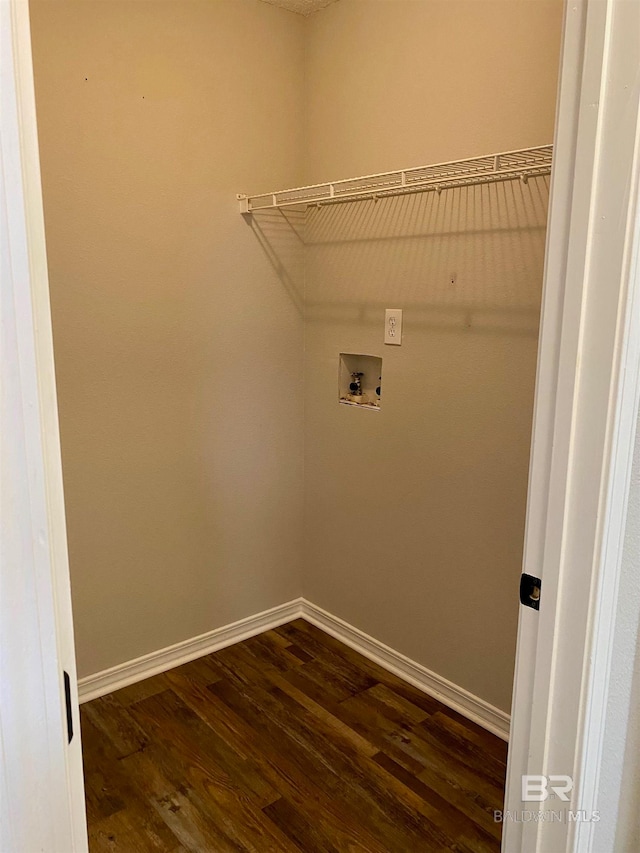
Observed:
{"x":468,"y":258}
{"x":438,"y":478}
{"x":281,"y":236}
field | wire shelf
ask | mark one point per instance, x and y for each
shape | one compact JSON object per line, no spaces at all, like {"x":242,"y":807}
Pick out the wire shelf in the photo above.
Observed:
{"x":507,"y":166}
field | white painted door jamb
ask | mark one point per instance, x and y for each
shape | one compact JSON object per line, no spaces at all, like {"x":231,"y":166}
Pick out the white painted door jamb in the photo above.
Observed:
{"x":586,"y":404}
{"x":41,"y":786}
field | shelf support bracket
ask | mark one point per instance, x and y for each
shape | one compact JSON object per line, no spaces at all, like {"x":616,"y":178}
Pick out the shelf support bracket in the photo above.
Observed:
{"x":244,"y":204}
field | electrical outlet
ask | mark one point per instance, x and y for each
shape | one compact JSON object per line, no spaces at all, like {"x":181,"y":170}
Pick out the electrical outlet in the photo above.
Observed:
{"x":393,"y":326}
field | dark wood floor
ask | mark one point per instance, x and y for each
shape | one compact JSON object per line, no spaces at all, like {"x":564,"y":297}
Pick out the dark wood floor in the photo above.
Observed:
{"x":288,"y":741}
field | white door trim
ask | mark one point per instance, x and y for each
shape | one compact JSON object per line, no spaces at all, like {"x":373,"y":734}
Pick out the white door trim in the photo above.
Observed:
{"x":42,"y":802}
{"x":586,"y":404}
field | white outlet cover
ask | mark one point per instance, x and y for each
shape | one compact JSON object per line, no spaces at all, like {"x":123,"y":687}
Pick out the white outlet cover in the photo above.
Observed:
{"x":393,"y":326}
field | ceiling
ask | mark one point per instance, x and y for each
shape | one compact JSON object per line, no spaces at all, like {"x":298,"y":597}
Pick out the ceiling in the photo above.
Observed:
{"x":302,"y":7}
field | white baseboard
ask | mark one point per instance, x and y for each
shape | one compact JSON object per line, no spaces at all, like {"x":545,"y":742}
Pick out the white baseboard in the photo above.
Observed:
{"x":94,"y":686}
{"x":419,"y":676}
{"x":457,"y":698}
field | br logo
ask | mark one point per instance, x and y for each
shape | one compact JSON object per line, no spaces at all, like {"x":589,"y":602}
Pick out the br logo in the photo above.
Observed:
{"x":536,"y":789}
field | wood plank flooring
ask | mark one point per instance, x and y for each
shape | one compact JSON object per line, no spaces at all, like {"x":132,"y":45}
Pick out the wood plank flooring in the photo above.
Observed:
{"x":289,"y":741}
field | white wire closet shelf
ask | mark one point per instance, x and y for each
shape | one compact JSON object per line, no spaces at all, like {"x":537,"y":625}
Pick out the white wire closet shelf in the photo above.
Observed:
{"x":507,"y":166}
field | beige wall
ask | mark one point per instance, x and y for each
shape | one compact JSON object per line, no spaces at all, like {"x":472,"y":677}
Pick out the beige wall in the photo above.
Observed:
{"x":415,"y":514}
{"x":626,"y":830}
{"x":178,"y":339}
{"x":396,"y":83}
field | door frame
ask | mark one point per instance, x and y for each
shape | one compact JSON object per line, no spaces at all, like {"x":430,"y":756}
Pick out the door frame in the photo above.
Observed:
{"x":42,"y":804}
{"x":584,"y":427}
{"x":584,"y":432}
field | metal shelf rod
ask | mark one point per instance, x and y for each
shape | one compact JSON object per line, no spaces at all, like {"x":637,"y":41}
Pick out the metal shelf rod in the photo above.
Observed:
{"x":510,"y":165}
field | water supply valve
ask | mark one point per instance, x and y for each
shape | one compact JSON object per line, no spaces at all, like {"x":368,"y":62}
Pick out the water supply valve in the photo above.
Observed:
{"x":355,"y":386}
